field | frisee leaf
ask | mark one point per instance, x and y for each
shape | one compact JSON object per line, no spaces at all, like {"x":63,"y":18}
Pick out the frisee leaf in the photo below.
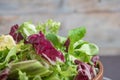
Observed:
{"x":27,"y":29}
{"x":53,"y":26}
{"x":11,"y":55}
{"x":48,"y":27}
{"x":41,"y":27}
{"x":22,"y":75}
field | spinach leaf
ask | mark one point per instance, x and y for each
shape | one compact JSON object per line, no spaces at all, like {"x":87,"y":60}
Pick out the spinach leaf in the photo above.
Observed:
{"x":75,"y":35}
{"x":54,"y":39}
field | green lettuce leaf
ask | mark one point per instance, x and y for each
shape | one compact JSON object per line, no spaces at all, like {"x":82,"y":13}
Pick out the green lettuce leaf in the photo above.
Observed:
{"x":89,"y":49}
{"x":84,"y":51}
{"x":37,"y":77}
{"x":79,"y":48}
{"x":54,"y":39}
{"x":41,"y":27}
{"x":75,"y":35}
{"x":86,"y":47}
{"x":30,"y":67}
{"x":22,"y":75}
{"x":8,"y":56}
{"x":48,"y":27}
{"x":27,"y":29}
{"x":53,"y":26}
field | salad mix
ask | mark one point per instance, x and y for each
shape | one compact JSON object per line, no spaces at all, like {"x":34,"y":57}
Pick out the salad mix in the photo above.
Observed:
{"x":32,"y":52}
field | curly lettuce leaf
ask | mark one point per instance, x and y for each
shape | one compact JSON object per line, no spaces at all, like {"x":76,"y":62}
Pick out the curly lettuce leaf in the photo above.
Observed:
{"x":22,"y":75}
{"x":6,"y":41}
{"x":41,"y":27}
{"x":53,"y":26}
{"x":11,"y":55}
{"x":62,"y":72}
{"x":49,"y":26}
{"x":3,"y":54}
{"x":27,"y":29}
{"x":15,"y":34}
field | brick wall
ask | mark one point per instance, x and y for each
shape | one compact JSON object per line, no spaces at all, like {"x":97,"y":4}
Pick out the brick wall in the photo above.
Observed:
{"x":101,"y":18}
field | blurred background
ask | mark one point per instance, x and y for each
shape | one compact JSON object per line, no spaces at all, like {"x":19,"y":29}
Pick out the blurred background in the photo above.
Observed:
{"x":100,"y":17}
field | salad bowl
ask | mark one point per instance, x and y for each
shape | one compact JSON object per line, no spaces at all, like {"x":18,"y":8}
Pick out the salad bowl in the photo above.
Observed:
{"x":100,"y":74}
{"x":37,"y":52}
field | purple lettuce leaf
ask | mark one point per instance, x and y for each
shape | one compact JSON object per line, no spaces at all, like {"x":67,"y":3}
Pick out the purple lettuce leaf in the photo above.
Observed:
{"x":4,"y":74}
{"x":85,"y":71}
{"x":16,"y":35}
{"x":95,"y":59}
{"x":45,"y":48}
{"x":66,"y":44}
